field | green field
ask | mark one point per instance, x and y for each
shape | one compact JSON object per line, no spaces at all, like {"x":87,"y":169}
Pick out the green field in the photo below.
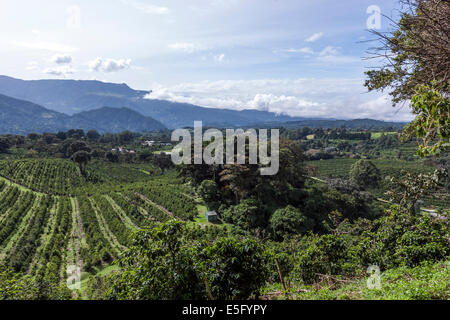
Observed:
{"x":52,"y":218}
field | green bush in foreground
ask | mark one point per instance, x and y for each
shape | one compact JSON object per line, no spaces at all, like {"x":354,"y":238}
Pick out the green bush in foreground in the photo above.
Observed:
{"x":169,"y":261}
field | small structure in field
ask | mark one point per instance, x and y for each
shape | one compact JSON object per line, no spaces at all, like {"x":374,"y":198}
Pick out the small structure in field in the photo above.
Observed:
{"x":211,"y":216}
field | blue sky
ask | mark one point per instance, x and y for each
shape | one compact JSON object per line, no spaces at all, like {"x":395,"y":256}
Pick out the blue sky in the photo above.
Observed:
{"x":299,"y":57}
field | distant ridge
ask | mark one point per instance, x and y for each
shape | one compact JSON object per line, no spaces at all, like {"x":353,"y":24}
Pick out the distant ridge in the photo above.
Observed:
{"x":23,"y":117}
{"x":74,"y":96}
{"x":350,"y":124}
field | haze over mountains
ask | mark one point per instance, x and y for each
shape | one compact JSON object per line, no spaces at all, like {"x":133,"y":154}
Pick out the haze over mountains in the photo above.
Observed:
{"x":73,"y":96}
{"x":54,"y":105}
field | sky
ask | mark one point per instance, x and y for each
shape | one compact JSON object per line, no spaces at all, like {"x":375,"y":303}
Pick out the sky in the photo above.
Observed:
{"x":297,"y":57}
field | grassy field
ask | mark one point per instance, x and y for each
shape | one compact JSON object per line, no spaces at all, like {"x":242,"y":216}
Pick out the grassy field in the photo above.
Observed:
{"x":425,"y":282}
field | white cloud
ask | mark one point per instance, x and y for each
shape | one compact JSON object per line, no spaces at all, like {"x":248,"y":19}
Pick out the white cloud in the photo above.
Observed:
{"x":59,"y":71}
{"x":49,"y":46}
{"x":32,"y":65}
{"x":146,"y":7}
{"x":327,"y":98}
{"x":62,"y":59}
{"x":301,"y":50}
{"x":314,"y":37}
{"x":109,"y":65}
{"x":185,"y":47}
{"x":329,"y":51}
{"x":219,"y":58}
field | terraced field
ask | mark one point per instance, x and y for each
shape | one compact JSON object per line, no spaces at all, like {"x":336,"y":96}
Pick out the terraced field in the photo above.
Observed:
{"x":46,"y":228}
{"x":340,"y":168}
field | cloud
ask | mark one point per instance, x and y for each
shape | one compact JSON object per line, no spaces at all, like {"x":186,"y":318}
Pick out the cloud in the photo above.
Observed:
{"x":314,"y":37}
{"x":328,"y":51}
{"x":219,"y":58}
{"x":49,"y":46}
{"x":146,"y":7}
{"x":59,"y":71}
{"x":309,"y":97}
{"x":61,"y":59}
{"x":32,"y":65}
{"x":109,"y":65}
{"x":185,"y":47}
{"x":301,"y":50}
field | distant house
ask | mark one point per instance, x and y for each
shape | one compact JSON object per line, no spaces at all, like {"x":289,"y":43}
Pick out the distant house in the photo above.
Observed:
{"x":211,"y":216}
{"x":148,"y":143}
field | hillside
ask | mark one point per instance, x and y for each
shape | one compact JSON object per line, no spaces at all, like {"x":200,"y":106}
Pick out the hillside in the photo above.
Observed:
{"x":73,"y":96}
{"x":108,"y":119}
{"x":23,"y":117}
{"x":63,"y":95}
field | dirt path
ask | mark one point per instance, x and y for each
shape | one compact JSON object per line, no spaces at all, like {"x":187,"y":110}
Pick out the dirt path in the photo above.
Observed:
{"x":158,"y":206}
{"x":109,"y":236}
{"x":74,"y":245}
{"x":46,"y":236}
{"x":12,"y":243}
{"x":122,"y":215}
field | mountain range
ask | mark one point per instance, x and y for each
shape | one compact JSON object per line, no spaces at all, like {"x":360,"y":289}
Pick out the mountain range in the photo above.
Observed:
{"x":22,"y":117}
{"x":54,"y":105}
{"x":74,"y":96}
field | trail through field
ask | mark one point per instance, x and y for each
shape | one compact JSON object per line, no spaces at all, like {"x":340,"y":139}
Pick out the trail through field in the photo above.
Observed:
{"x":123,"y":216}
{"x":141,"y":210}
{"x":157,"y":205}
{"x":109,"y":236}
{"x":73,"y":248}
{"x":12,"y":243}
{"x":45,"y":238}
{"x":20,"y":186}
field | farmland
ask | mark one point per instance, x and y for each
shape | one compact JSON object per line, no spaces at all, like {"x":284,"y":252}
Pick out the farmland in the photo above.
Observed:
{"x":53,"y":218}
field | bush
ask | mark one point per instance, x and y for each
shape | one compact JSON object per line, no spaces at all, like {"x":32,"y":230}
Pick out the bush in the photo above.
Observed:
{"x":288,"y":221}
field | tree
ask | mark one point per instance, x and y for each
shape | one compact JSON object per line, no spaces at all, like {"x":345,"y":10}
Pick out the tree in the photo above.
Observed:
{"x":235,"y":268}
{"x":289,"y":220}
{"x":77,"y":146}
{"x":209,"y":192}
{"x":417,"y":68}
{"x":365,"y":174}
{"x":409,"y":188}
{"x":126,"y":136}
{"x":93,"y":135}
{"x":112,"y":157}
{"x":432,"y":123}
{"x":82,"y":158}
{"x":248,"y":214}
{"x":4,"y":145}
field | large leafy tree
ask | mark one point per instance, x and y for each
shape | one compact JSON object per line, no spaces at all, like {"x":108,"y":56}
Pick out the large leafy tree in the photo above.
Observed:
{"x":289,"y":220}
{"x":417,"y":68}
{"x":364,"y":173}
